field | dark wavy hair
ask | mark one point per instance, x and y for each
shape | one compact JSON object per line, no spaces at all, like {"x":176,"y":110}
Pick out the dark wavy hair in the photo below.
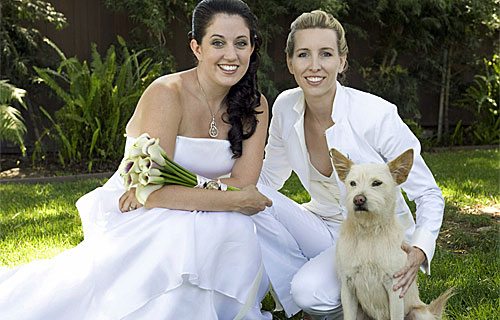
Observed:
{"x":244,"y":97}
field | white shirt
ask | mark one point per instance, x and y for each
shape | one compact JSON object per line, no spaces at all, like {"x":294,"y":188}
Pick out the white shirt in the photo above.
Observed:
{"x":325,"y":195}
{"x":367,"y":129}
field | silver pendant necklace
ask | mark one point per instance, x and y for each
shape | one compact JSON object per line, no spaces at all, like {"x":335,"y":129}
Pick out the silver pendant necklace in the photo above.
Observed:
{"x":213,"y":132}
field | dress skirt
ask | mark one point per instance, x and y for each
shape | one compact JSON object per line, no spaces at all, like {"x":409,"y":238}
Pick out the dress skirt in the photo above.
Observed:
{"x":143,"y":264}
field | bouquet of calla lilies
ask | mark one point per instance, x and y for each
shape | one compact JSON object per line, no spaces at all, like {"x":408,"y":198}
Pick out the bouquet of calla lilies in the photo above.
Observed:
{"x":147,"y":167}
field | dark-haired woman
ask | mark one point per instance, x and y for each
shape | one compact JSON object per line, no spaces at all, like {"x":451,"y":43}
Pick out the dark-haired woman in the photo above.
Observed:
{"x":189,"y":253}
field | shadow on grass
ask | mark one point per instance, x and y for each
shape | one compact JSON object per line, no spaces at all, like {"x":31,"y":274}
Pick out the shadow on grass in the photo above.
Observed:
{"x":42,"y":227}
{"x":463,"y":232}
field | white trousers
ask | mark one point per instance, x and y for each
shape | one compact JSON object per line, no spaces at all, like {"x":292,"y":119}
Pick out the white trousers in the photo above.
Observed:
{"x":298,"y":249}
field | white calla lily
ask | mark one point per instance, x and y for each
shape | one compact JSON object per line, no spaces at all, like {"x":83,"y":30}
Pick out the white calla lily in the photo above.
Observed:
{"x":130,"y":179}
{"x":145,"y":164}
{"x":125,"y":166}
{"x":155,"y":151}
{"x":142,"y":192}
{"x":136,"y":149}
{"x":142,"y":140}
{"x":151,"y":176}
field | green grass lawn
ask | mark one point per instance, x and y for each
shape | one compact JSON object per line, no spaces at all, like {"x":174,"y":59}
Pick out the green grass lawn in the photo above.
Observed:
{"x":39,"y":221}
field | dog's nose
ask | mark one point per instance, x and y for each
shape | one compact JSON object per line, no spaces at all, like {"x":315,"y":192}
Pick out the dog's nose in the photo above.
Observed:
{"x":359,"y":200}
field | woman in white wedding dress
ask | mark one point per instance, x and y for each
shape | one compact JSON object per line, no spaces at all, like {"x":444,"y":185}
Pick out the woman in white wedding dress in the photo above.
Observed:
{"x":200,"y":258}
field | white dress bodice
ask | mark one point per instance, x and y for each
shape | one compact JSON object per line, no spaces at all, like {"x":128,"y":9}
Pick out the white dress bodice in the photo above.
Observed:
{"x":211,"y":158}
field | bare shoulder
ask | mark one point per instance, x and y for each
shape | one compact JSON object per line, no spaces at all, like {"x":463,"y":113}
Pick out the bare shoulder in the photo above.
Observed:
{"x":263,"y":101}
{"x":161,"y":102}
{"x":162,"y":94}
{"x":264,"y":107}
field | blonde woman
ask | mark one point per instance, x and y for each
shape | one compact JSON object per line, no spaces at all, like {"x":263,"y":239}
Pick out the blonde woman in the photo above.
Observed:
{"x":298,"y":241}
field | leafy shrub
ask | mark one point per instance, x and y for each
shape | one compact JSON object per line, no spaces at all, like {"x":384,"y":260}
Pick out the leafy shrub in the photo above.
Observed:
{"x":12,"y":127}
{"x":19,"y":37}
{"x":481,"y":98}
{"x":98,"y":101}
{"x":394,"y":84}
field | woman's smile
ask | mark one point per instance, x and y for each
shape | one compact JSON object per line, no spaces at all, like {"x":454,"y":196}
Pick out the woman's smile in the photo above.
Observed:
{"x":315,"y":80}
{"x":228,"y":68}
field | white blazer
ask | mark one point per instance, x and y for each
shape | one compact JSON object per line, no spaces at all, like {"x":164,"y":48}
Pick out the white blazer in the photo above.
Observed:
{"x":367,"y":129}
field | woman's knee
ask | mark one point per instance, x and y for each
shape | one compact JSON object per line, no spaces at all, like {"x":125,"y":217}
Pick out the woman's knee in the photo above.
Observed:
{"x":313,"y":294}
{"x":302,"y":290}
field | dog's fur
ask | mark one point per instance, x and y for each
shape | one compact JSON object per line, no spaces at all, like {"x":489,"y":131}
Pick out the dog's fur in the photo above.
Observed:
{"x":369,"y":250}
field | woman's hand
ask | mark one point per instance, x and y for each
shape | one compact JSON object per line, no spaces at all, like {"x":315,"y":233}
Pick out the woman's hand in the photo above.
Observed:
{"x":128,"y":201}
{"x":415,"y":259}
{"x":252,"y":201}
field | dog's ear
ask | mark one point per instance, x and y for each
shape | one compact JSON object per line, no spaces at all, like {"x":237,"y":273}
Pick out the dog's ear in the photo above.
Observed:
{"x":342,"y":164}
{"x":400,"y":167}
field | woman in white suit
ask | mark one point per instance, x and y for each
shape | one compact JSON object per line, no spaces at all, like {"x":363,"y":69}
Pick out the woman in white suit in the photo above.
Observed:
{"x":298,"y":241}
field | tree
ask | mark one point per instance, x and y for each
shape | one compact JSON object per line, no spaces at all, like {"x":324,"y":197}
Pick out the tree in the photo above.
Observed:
{"x":19,"y":45}
{"x":154,"y":18}
{"x":20,"y":39}
{"x":439,"y":38}
{"x":463,"y":27}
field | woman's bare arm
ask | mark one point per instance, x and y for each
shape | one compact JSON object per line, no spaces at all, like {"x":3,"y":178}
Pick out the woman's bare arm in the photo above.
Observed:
{"x":160,"y":100}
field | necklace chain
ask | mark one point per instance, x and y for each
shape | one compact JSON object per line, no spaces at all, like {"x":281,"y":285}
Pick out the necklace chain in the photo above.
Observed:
{"x":213,"y":132}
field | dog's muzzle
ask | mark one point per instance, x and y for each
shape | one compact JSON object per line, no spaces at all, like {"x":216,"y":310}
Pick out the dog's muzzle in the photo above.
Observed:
{"x":359,"y":203}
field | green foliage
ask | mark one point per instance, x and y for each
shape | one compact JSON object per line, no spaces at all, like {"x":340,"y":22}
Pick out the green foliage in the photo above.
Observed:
{"x":481,"y":98}
{"x":154,"y":15}
{"x":396,"y":85}
{"x":457,"y":137}
{"x":415,"y":34}
{"x":427,"y":142}
{"x":12,"y":127}
{"x":417,"y":129}
{"x":154,"y":18}
{"x":98,"y":101}
{"x":19,"y":38}
{"x":20,"y":50}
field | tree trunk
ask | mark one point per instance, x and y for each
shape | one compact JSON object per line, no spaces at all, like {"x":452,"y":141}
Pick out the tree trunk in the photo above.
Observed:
{"x":447,"y":93}
{"x":442,"y":95}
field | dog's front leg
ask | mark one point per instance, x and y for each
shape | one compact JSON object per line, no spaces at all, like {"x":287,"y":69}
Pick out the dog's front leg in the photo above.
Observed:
{"x":349,"y":300}
{"x":396,"y":304}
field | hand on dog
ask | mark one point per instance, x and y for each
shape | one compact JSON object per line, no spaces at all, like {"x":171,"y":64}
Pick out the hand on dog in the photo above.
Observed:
{"x":415,"y":259}
{"x":128,"y":201}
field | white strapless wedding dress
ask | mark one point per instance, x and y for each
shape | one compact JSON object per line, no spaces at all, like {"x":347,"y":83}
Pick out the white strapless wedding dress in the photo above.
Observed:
{"x":147,"y":264}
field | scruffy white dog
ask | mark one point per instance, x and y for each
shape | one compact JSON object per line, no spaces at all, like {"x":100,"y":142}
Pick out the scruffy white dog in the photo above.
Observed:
{"x":369,"y":246}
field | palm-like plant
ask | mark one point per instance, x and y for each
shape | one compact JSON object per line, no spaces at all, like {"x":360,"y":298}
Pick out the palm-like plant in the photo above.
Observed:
{"x":12,"y":126}
{"x":98,"y":101}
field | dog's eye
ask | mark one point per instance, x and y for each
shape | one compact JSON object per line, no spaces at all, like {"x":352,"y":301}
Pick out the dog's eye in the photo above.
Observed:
{"x":376,"y":183}
{"x":353,"y":184}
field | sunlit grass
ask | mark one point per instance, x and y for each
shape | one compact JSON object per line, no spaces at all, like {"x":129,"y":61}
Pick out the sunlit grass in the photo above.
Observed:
{"x":467,"y":177}
{"x":39,"y":221}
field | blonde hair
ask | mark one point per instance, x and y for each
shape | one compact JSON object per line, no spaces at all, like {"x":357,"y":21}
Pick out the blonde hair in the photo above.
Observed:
{"x":321,"y":20}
